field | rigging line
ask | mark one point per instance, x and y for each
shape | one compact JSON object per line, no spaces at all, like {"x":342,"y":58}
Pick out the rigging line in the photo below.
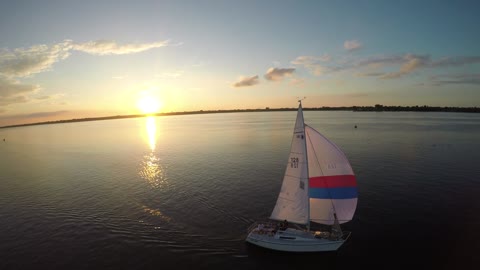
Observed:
{"x":320,"y":166}
{"x":283,"y":198}
{"x":305,"y":155}
{"x":328,"y":219}
{"x":296,"y":177}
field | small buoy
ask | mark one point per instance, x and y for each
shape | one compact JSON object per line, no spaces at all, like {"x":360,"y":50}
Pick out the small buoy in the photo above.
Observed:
{"x":355,"y":126}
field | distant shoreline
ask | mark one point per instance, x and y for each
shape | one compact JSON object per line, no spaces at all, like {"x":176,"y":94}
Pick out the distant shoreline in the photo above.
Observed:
{"x":376,"y":108}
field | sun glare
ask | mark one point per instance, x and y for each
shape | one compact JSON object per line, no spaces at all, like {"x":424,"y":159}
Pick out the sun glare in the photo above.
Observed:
{"x":149,"y":104}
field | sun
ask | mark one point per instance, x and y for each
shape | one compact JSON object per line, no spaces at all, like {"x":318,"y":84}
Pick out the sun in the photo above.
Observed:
{"x":149,"y":104}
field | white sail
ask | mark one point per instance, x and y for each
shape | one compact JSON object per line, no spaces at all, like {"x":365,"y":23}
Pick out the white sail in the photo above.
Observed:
{"x":332,"y":184}
{"x":292,"y":202}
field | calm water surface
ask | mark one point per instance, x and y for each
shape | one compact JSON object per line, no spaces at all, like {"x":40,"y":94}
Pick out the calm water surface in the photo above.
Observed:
{"x":179,"y":192}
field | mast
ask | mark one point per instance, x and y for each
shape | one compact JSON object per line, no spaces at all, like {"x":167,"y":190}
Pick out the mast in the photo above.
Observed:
{"x":306,"y":160}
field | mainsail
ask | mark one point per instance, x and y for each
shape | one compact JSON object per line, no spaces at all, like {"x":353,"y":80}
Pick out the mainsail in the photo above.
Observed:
{"x":292,"y":202}
{"x":317,"y":190}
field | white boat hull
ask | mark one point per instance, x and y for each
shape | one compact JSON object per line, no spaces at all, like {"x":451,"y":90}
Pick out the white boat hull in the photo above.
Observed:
{"x":293,"y":240}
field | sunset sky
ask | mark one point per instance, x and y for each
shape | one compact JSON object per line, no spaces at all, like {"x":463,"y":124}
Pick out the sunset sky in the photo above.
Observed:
{"x":76,"y":59}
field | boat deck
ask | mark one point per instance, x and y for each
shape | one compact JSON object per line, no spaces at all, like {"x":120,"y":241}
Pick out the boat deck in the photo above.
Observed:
{"x":268,"y":235}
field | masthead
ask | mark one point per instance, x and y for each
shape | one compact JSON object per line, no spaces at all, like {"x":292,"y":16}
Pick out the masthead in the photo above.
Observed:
{"x":300,"y":99}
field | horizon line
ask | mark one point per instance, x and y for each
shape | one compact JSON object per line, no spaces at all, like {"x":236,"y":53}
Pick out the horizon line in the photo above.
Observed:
{"x":377,"y":107}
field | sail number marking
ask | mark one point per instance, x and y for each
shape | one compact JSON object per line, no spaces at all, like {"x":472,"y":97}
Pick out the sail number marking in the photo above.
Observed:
{"x":294,"y":162}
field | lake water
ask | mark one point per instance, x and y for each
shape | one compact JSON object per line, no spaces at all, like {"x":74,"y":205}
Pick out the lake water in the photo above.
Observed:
{"x":179,"y":192}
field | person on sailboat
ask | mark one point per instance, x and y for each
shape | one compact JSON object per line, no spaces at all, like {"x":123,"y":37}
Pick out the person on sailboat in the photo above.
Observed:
{"x":283,"y":225}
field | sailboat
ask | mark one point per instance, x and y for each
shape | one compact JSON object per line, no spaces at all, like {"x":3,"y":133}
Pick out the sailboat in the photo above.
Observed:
{"x":319,"y":187}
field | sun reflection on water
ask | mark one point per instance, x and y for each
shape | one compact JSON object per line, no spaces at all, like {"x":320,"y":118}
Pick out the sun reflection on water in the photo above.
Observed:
{"x":156,"y":213}
{"x":151,"y":132}
{"x":151,"y":168}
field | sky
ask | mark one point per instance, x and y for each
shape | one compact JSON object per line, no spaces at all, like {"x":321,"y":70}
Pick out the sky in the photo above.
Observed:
{"x":78,"y":59}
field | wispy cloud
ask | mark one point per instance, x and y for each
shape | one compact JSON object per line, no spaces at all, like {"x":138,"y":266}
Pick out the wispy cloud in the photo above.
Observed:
{"x":12,"y":91}
{"x":4,"y":101}
{"x":246,"y":81}
{"x":108,"y":47}
{"x":352,"y":45}
{"x":313,"y":63}
{"x":11,"y":87}
{"x":35,"y":115}
{"x":455,"y":61}
{"x":23,"y":62}
{"x":411,"y":63}
{"x":277,"y":74}
{"x":456,"y":79}
{"x":42,"y":114}
{"x":50,"y":97}
{"x":370,"y":74}
{"x":381,"y":66}
{"x":297,"y":81}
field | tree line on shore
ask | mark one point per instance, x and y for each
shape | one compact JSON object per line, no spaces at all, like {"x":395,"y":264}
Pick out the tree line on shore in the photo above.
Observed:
{"x":376,"y":108}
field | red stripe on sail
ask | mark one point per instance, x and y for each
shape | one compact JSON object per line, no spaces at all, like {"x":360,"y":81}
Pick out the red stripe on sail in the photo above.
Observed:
{"x":332,"y":181}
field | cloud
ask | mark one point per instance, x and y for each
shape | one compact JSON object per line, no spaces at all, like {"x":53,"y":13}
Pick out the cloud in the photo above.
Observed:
{"x":381,"y":66}
{"x":4,"y":101}
{"x":25,"y":62}
{"x":308,"y":60}
{"x":473,"y":79}
{"x":50,"y":97}
{"x":108,"y":47}
{"x":370,"y":74}
{"x":277,"y":74}
{"x":376,"y":61}
{"x":455,"y":61}
{"x":31,"y":117}
{"x":247,"y":81}
{"x":411,"y":63}
{"x":352,"y":45}
{"x":42,"y":114}
{"x":408,"y":64}
{"x":313,"y":64}
{"x":297,"y":81}
{"x":10,"y":88}
{"x":14,"y":92}
{"x":320,"y":66}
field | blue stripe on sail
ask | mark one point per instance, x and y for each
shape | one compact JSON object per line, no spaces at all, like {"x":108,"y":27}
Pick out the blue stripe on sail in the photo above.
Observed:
{"x":333,"y":193}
